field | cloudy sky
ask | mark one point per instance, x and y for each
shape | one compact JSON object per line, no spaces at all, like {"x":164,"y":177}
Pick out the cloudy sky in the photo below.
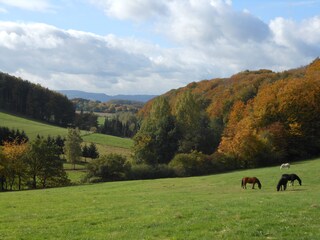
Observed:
{"x":152,"y":46}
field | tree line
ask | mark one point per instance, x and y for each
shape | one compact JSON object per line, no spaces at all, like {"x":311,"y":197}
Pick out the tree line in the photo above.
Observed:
{"x":112,"y":106}
{"x":23,"y":97}
{"x":121,"y":125}
{"x":11,"y":135}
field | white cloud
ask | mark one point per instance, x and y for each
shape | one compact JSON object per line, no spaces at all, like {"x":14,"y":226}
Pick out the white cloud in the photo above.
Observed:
{"x":136,"y":10}
{"x":211,"y":39}
{"x":71,"y":59}
{"x":301,"y":38}
{"x":32,"y":5}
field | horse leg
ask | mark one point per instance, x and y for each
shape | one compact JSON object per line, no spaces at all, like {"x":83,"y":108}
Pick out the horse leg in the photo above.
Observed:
{"x":253,"y":185}
{"x":243,"y":184}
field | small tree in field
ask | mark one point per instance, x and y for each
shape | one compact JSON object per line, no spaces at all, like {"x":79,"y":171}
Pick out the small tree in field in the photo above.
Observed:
{"x":44,"y":164}
{"x":72,"y":147}
{"x":93,"y":151}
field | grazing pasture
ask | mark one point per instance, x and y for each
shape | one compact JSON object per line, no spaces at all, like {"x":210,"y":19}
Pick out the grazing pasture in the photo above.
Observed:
{"x":208,"y":207}
{"x":33,"y":128}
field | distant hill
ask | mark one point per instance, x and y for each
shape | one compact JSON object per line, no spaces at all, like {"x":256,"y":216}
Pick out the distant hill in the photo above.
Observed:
{"x":71,"y":94}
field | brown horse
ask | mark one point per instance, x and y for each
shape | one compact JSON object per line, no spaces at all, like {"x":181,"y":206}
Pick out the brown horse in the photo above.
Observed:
{"x":252,"y":180}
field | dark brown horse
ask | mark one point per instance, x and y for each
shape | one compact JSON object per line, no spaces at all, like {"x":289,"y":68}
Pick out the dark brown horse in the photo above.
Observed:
{"x":252,"y":180}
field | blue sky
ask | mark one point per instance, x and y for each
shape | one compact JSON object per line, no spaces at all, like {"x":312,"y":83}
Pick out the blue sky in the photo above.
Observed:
{"x":150,"y":47}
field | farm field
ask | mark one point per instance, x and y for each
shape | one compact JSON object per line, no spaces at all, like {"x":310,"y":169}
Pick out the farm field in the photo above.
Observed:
{"x":208,"y":207}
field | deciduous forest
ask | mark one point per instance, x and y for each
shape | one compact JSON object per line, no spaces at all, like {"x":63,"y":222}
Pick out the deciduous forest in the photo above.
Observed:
{"x":252,"y":119}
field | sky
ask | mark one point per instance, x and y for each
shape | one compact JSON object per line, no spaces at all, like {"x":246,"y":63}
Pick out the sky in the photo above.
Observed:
{"x":152,"y":46}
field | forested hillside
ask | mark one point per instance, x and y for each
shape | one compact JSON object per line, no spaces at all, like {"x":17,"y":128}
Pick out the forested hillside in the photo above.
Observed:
{"x":112,"y":106}
{"x":253,"y":118}
{"x":22,"y":97}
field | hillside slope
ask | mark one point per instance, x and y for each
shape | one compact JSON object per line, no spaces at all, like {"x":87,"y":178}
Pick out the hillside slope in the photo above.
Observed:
{"x":257,"y":118}
{"x":210,"y":207}
{"x":32,"y":128}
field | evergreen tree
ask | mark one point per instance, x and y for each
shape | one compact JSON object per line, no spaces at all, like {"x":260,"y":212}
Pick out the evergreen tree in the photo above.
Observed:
{"x":59,"y":141}
{"x":93,"y":151}
{"x":85,"y":152}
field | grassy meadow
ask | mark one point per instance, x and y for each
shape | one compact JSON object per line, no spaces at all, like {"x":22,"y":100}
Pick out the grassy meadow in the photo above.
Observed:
{"x":106,"y":143}
{"x":32,"y":128}
{"x":207,"y":207}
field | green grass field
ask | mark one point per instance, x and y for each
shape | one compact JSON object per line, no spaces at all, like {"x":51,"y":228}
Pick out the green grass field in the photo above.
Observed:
{"x":33,"y":128}
{"x":209,"y":207}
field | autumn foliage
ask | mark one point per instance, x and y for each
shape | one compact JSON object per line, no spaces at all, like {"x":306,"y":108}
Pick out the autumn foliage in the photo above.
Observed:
{"x":257,"y":118}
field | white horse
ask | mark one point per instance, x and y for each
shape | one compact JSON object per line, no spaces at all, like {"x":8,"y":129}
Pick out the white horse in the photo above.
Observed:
{"x":285,"y":165}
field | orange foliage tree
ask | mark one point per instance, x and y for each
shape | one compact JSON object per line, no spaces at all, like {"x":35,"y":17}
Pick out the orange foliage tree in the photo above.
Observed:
{"x":14,"y":162}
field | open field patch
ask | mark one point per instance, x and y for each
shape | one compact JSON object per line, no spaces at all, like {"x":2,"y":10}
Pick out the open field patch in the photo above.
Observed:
{"x":33,"y":128}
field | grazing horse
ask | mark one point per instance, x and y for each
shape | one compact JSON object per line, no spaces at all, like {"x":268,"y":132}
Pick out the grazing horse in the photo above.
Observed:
{"x":252,"y":180}
{"x":285,"y":165}
{"x":282,"y":183}
{"x":292,"y":177}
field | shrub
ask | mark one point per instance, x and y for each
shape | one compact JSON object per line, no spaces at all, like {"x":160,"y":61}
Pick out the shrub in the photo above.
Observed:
{"x":111,"y":167}
{"x":191,"y":164}
{"x":145,"y":171}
